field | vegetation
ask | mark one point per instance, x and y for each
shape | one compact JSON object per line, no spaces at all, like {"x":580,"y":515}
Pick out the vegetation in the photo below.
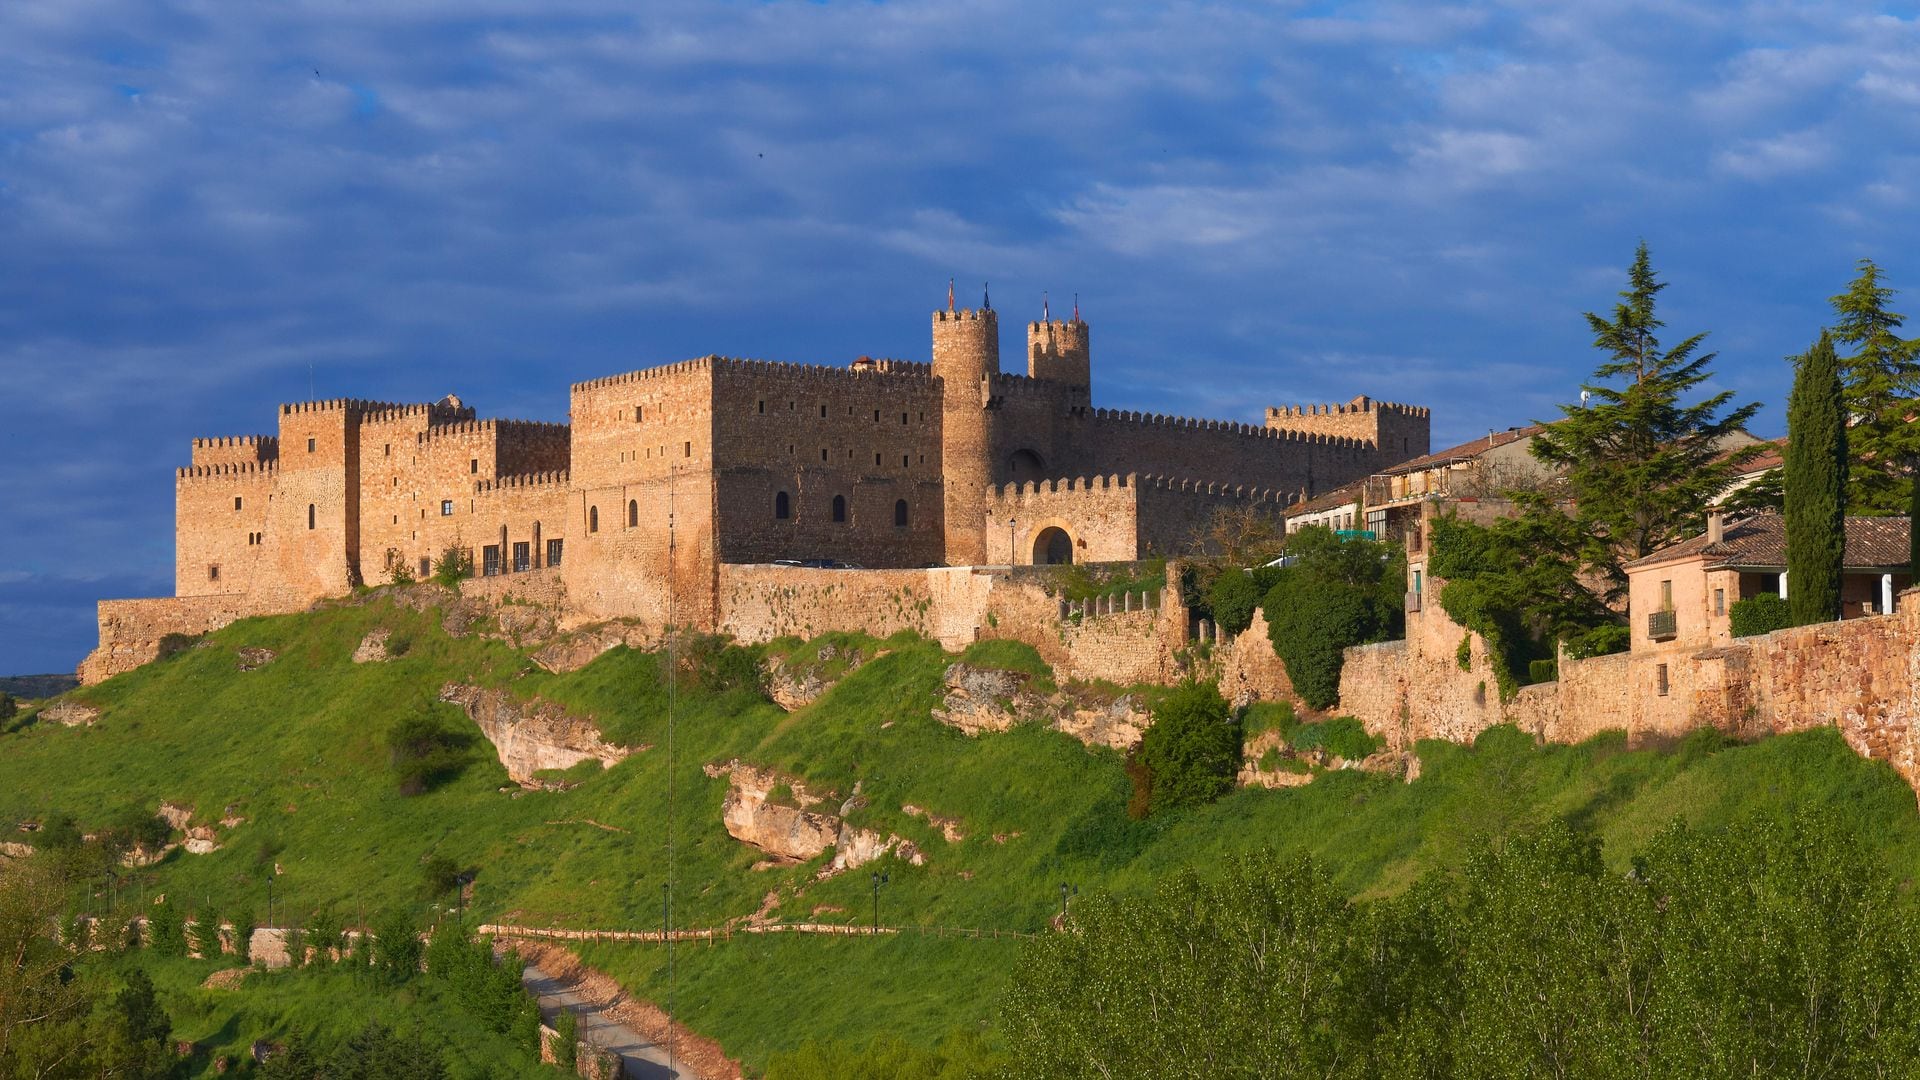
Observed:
{"x":425,"y":750}
{"x":1336,"y":594}
{"x":1881,"y":378}
{"x":1191,"y":754}
{"x":1761,"y":613}
{"x":1233,"y":598}
{"x":1642,"y":462}
{"x":1736,"y":951}
{"x":452,"y":567}
{"x":1816,"y":487}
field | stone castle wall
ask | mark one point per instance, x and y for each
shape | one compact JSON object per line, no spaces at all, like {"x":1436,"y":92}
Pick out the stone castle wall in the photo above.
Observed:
{"x":131,"y":630}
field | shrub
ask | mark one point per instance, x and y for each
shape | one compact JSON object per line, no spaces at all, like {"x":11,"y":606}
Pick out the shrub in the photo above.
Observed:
{"x":296,"y":944}
{"x":1336,"y":595}
{"x":396,"y":947}
{"x":8,"y":706}
{"x":1760,"y":614}
{"x":1261,"y":717}
{"x":566,"y":1039}
{"x":1233,"y":598}
{"x":243,"y":936}
{"x":1192,"y":751}
{"x":135,"y":827}
{"x":166,"y":929}
{"x":1602,"y":640}
{"x":454,"y":566}
{"x":439,"y":876}
{"x":399,"y":573}
{"x":1342,"y":736}
{"x":424,"y":752}
{"x":57,"y":833}
{"x":203,"y":934}
{"x":1539,"y":671}
{"x":714,"y":663}
{"x":324,"y":928}
{"x":174,"y":644}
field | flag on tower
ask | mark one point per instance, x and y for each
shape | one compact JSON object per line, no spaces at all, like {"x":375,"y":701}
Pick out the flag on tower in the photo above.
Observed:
{"x":1076,"y":307}
{"x":986,"y":298}
{"x":949,"y":294}
{"x":1046,"y":314}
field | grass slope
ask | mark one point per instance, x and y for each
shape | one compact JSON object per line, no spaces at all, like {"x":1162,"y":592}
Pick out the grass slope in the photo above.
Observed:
{"x":296,"y":749}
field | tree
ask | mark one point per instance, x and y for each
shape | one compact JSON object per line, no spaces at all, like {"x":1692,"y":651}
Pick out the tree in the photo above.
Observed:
{"x":1336,"y":594}
{"x":1642,"y":463}
{"x":1816,"y":487}
{"x":1881,"y":378}
{"x":1192,"y":750}
{"x":396,"y":947}
{"x":167,"y":928}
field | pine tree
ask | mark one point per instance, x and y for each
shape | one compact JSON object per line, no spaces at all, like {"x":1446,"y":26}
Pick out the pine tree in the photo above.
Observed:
{"x":1642,"y":464}
{"x":1880,"y":381}
{"x":1816,"y":486}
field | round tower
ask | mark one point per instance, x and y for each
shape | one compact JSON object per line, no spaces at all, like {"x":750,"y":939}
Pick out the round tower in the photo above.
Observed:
{"x":966,"y":355}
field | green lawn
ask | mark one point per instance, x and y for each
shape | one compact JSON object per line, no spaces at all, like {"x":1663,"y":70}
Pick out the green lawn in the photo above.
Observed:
{"x":297,"y":749}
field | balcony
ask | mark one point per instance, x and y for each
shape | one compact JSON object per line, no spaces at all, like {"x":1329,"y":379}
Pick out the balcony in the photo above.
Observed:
{"x":1663,"y":625}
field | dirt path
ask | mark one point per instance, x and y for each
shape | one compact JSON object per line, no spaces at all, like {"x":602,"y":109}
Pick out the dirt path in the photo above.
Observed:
{"x":635,"y":1029}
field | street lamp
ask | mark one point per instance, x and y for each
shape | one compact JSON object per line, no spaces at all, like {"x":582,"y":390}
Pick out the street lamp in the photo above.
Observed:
{"x":878,"y":880}
{"x":1013,"y":558}
{"x":1066,"y":891}
{"x":269,"y":899}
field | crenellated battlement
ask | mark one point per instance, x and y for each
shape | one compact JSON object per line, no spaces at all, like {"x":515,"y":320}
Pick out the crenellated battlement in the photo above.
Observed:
{"x":678,"y":369}
{"x":437,"y":412}
{"x":871,"y":369}
{"x":1014,"y":384}
{"x":966,"y":315}
{"x":555,"y":479}
{"x":1026,"y":490}
{"x":495,"y":427}
{"x":240,"y":470}
{"x":358,"y":406}
{"x":1360,"y":404}
{"x":1231,"y":427}
{"x":265,"y":445}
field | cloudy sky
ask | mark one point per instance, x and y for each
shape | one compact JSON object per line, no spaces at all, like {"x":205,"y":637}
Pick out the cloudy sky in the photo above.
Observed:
{"x":205,"y":209}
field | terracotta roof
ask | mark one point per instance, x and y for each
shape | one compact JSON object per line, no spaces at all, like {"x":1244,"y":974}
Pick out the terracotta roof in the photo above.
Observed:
{"x":1771,"y":456}
{"x":1339,"y":496}
{"x":1761,"y":541}
{"x":1466,"y":451}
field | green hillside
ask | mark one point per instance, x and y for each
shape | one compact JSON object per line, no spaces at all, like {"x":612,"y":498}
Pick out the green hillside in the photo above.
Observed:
{"x":298,"y":749}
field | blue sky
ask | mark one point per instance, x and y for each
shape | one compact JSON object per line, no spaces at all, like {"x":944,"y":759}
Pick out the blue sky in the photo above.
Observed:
{"x":205,"y":207}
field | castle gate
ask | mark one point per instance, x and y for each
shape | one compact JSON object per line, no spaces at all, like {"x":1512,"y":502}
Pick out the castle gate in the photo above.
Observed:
{"x":1052,"y":547}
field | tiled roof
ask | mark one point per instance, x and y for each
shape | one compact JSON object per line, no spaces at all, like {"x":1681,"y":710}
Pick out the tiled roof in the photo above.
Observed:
{"x":1339,"y":496}
{"x":1761,"y":541}
{"x":1466,"y":451}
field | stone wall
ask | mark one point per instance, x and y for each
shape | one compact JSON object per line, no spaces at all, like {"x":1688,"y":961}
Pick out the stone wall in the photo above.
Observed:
{"x":131,"y":630}
{"x":1249,"y":669}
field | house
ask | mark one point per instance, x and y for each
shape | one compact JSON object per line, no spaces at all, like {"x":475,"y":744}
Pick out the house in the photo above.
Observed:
{"x":1680,"y":596}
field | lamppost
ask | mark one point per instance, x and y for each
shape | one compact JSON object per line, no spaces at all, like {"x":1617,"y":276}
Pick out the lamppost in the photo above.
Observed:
{"x":878,"y":880}
{"x":269,"y":899}
{"x":1066,"y":891}
{"x":1013,"y":557}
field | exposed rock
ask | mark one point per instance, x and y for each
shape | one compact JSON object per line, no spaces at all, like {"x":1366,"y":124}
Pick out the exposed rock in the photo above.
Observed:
{"x":949,"y":827}
{"x":253,"y":658}
{"x":373,"y":647}
{"x":794,"y":690}
{"x":140,"y":856}
{"x":197,"y":845}
{"x":13,"y":850}
{"x":791,"y":833}
{"x":1253,"y":775}
{"x":70,"y":713}
{"x":1118,"y":724}
{"x":578,"y":649}
{"x":225,"y":979}
{"x":520,"y":625}
{"x":531,"y":736}
{"x":1403,"y":763}
{"x":857,"y":847}
{"x":176,"y":815}
{"x":985,"y":699}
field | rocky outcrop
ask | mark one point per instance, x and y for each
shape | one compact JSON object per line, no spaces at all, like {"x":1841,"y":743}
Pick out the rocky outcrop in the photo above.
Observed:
{"x":177,"y":816}
{"x":532,"y":736}
{"x":774,"y":812}
{"x":584,"y":646}
{"x":70,"y":713}
{"x":11,"y":849}
{"x":797,"y":686}
{"x":1118,"y":724}
{"x":253,"y":658}
{"x":949,"y":827}
{"x":986,"y":699}
{"x":373,"y":647}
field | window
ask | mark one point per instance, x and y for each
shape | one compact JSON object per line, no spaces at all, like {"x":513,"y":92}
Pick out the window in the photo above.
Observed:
{"x":473,"y":465}
{"x":633,"y":513}
{"x":782,"y":506}
{"x":1660,"y":679}
{"x":553,"y":553}
{"x":763,"y":406}
{"x":823,"y":453}
{"x":426,"y":567}
{"x":593,"y":519}
{"x":490,"y":560}
{"x":1666,"y":596}
{"x":687,"y":450}
{"x":900,"y":514}
{"x":213,"y":572}
{"x":839,"y":508}
{"x":309,"y":515}
{"x":1416,"y":582}
{"x":309,"y":446}
{"x":522,"y":557}
{"x":387,"y":450}
{"x":876,"y":416}
{"x":446,"y":507}
{"x":903,"y":461}
{"x":639,"y":413}
{"x":876,"y":460}
{"x":903,"y":418}
{"x":1719,"y":601}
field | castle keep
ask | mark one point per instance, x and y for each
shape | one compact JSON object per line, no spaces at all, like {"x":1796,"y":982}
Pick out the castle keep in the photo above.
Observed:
{"x":668,"y":474}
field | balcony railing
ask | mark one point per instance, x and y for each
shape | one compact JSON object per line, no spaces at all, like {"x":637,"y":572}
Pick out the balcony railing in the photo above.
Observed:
{"x":1663,"y":625}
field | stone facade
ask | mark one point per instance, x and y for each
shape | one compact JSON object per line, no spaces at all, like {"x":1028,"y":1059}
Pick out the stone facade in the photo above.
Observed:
{"x":665,"y":476}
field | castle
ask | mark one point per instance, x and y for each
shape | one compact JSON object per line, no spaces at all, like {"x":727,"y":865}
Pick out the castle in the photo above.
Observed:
{"x":667,"y":474}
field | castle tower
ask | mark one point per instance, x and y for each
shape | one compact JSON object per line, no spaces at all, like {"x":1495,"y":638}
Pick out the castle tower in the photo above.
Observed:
{"x":1058,"y":351}
{"x":966,"y":354}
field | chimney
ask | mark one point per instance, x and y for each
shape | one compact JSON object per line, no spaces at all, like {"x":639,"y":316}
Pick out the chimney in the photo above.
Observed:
{"x":1716,"y":527}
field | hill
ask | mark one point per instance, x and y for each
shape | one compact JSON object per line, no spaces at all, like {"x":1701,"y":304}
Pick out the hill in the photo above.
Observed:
{"x":297,"y":757}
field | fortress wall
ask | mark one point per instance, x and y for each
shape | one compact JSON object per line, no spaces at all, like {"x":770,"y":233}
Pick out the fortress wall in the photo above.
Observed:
{"x":313,"y":555}
{"x":1100,"y":514}
{"x":220,"y":520}
{"x":870,"y":437}
{"x":761,"y":602}
{"x":542,"y":587}
{"x":399,"y":488}
{"x":1175,"y":514}
{"x":1042,"y":419}
{"x":235,"y":450}
{"x":1400,"y":432}
{"x":1302,"y":465}
{"x":1124,"y":647}
{"x":1249,"y":669}
{"x":527,"y":446}
{"x":131,"y":630}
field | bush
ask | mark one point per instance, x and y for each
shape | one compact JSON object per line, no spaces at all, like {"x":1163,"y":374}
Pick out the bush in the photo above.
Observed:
{"x":566,"y":1039}
{"x":57,"y":833}
{"x":1760,"y":614}
{"x":454,"y":566}
{"x":1342,"y":736}
{"x":439,"y":876}
{"x":1539,"y":671}
{"x":1192,"y":752}
{"x":714,"y":663}
{"x":135,"y":827}
{"x":203,"y":934}
{"x":396,"y":947}
{"x":1233,"y":598}
{"x":324,"y":929}
{"x":243,"y":936}
{"x":1602,"y":640}
{"x":8,"y":706}
{"x":166,"y":929}
{"x":424,"y":752}
{"x":1336,"y":595}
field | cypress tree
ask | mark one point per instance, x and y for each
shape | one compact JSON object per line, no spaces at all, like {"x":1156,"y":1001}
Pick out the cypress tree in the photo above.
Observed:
{"x":1816,"y":486}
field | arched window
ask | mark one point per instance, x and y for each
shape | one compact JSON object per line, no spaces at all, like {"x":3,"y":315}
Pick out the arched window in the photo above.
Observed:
{"x":900,"y":513}
{"x":839,"y":508}
{"x":593,"y":519}
{"x":633,"y":513}
{"x":309,"y":515}
{"x":782,"y":506}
